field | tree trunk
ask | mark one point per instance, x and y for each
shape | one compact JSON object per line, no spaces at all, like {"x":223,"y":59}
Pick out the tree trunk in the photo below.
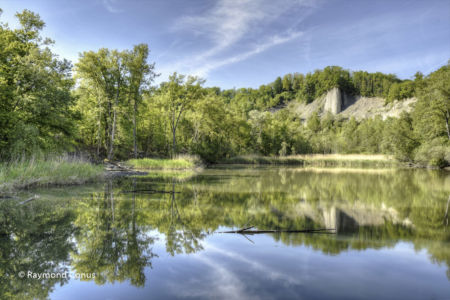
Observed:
{"x":134,"y":128}
{"x":113,"y":129}
{"x":99,"y":141}
{"x":447,"y":119}
{"x":173,"y":134}
{"x":173,"y":142}
{"x":113,"y":132}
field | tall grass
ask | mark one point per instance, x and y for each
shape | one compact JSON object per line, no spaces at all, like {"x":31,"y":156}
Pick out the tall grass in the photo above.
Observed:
{"x":61,"y":170}
{"x":181,"y":162}
{"x":321,"y":160}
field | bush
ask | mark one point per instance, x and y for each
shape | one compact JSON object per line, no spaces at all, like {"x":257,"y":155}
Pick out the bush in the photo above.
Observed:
{"x":435,"y":154}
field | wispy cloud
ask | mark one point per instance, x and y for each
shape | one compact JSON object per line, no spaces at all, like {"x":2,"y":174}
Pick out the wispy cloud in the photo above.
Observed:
{"x":235,"y":30}
{"x":111,"y":6}
{"x":210,"y":65}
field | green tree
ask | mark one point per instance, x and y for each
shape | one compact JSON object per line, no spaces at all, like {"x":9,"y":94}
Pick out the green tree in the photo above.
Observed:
{"x":432,"y":112}
{"x":277,"y":86}
{"x":141,"y":74}
{"x":177,"y":96}
{"x":105,"y":73}
{"x":35,"y":96}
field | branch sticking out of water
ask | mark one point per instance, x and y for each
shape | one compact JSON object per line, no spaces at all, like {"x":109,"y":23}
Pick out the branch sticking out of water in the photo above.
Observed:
{"x":29,"y":199}
{"x":246,"y":231}
{"x":149,"y":191}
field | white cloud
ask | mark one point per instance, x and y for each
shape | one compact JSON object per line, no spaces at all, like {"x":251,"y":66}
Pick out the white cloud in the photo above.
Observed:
{"x":110,"y":6}
{"x":237,"y":30}
{"x":205,"y":68}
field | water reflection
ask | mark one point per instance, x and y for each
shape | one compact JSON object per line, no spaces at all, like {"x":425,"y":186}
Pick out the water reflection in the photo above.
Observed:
{"x":111,"y":230}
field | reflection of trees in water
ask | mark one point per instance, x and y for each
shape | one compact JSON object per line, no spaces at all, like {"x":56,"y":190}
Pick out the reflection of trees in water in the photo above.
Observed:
{"x":181,"y":237}
{"x":109,"y":241}
{"x":112,"y":228}
{"x":371,"y":210}
{"x":34,"y":237}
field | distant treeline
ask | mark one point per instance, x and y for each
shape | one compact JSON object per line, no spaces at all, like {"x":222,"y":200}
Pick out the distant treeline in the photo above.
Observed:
{"x":114,"y":111}
{"x":306,"y":88}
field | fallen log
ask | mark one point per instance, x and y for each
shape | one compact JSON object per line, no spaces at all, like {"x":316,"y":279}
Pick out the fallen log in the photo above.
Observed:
{"x":321,"y":230}
{"x":150,"y":192}
{"x":7,"y":197}
{"x":243,"y":229}
{"x":29,"y":199}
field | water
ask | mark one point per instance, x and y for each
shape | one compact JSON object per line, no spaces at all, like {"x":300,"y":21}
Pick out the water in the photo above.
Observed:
{"x":163,"y":241}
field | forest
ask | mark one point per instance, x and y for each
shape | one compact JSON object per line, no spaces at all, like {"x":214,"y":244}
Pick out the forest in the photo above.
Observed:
{"x":107,"y":106}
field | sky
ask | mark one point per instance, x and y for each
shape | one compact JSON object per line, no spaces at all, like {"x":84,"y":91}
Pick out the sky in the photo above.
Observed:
{"x":246,"y":43}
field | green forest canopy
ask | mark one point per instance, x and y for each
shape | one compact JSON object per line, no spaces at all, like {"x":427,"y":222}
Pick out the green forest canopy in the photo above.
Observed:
{"x":115,"y":112}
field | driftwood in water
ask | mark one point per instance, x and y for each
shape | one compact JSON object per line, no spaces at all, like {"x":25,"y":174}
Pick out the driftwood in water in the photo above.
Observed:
{"x":150,"y":192}
{"x":112,"y":166}
{"x":7,"y":197}
{"x":29,"y":199}
{"x":246,"y":231}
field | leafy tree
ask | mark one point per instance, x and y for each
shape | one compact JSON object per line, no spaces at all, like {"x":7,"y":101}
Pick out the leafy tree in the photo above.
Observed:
{"x":277,"y":86}
{"x":287,"y":83}
{"x":141,"y":74}
{"x":432,"y":112}
{"x":104,"y":72}
{"x":35,"y":96}
{"x":178,"y":95}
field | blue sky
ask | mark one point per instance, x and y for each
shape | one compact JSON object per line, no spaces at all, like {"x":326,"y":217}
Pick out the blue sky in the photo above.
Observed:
{"x":246,"y":43}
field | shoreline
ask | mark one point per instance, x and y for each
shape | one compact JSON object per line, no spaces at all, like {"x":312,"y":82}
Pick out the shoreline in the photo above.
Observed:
{"x":22,"y":175}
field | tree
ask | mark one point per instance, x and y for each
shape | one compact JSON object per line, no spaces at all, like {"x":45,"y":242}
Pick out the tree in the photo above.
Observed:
{"x":141,"y":74}
{"x":178,"y":95}
{"x":287,"y":83}
{"x":105,"y":73}
{"x":399,"y":135}
{"x":432,"y":112}
{"x":35,"y":96}
{"x":277,"y":86}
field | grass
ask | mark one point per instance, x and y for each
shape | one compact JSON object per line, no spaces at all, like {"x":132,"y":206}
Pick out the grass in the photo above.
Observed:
{"x":321,"y":160}
{"x":182,"y":162}
{"x":263,"y":160}
{"x":62,"y":170}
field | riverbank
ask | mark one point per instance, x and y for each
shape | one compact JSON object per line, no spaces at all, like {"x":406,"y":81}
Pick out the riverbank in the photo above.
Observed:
{"x":319,"y":160}
{"x":182,"y":162}
{"x":34,"y":172}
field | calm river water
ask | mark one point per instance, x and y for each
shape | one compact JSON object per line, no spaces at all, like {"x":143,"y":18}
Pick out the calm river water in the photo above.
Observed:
{"x":158,"y":237}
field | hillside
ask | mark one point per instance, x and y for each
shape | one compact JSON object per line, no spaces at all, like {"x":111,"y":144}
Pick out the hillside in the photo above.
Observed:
{"x":342,"y":104}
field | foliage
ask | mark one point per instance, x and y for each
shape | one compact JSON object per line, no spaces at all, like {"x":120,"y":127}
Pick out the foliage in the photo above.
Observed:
{"x":114,"y":112}
{"x":111,"y":87}
{"x":35,"y":98}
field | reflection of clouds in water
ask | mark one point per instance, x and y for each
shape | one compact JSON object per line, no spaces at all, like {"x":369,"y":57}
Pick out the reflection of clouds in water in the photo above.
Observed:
{"x":225,"y":282}
{"x":221,"y":282}
{"x":257,"y":266}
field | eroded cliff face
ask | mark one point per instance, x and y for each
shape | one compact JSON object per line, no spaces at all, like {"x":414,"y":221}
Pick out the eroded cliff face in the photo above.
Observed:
{"x":333,"y":101}
{"x":339,"y":103}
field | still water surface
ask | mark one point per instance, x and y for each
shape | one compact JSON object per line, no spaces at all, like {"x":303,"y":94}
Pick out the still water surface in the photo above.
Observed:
{"x":157,"y":237}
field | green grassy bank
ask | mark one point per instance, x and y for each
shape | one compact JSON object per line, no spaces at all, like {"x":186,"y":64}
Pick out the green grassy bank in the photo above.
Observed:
{"x":182,"y":162}
{"x":63,"y":170}
{"x":319,"y":160}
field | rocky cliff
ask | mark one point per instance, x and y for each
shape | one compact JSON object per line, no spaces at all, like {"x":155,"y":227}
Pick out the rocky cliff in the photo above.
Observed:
{"x":339,"y":103}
